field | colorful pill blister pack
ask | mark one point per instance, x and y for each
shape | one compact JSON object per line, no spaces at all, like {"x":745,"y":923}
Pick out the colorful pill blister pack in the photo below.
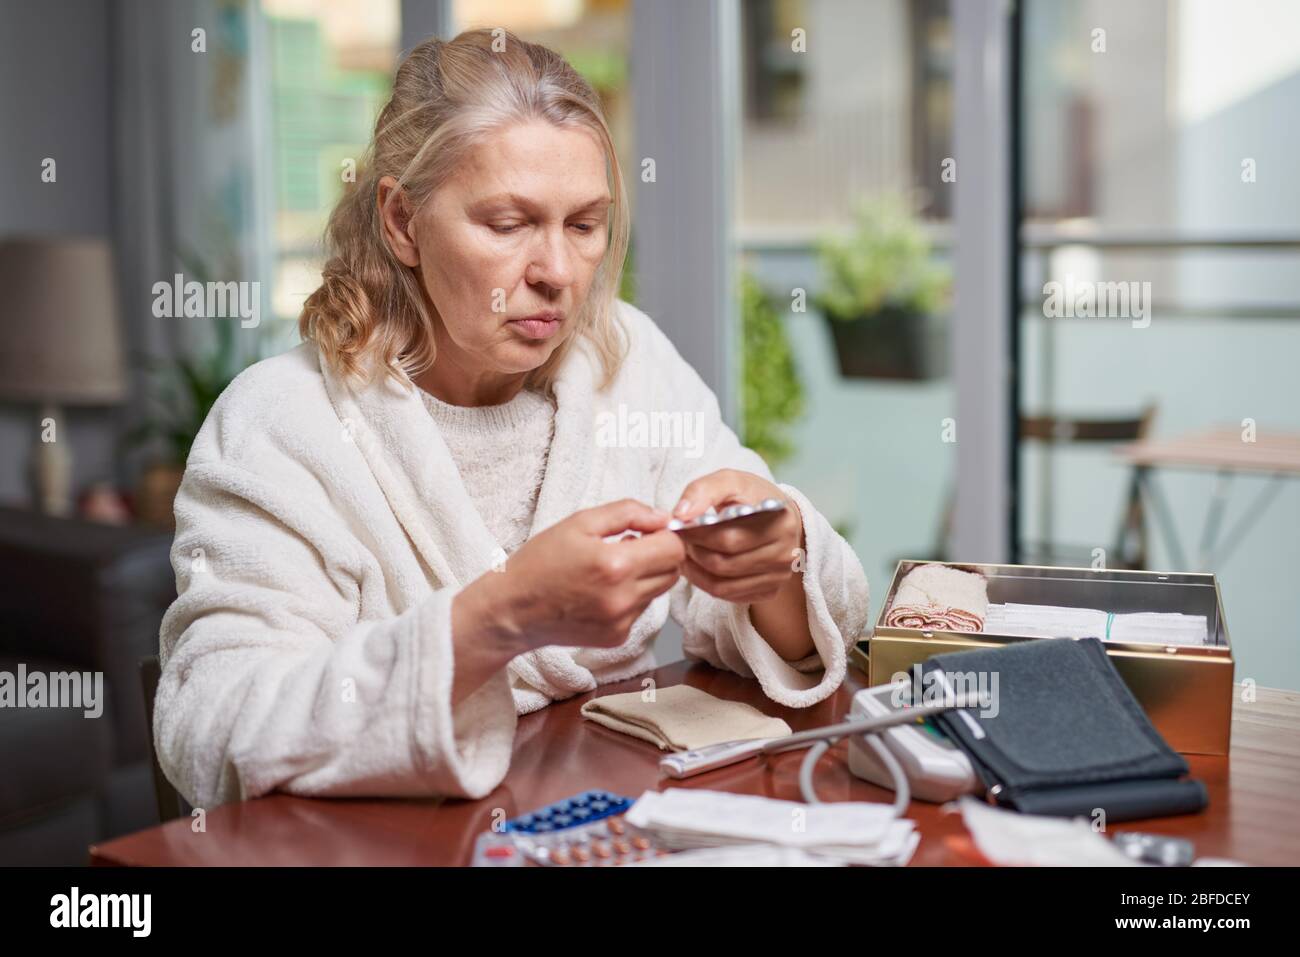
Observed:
{"x":586,"y":830}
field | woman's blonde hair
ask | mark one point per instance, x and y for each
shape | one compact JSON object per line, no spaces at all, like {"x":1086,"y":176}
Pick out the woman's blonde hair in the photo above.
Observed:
{"x":446,"y":97}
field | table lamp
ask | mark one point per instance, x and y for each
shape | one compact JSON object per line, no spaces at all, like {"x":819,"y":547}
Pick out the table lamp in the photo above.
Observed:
{"x":61,"y":345}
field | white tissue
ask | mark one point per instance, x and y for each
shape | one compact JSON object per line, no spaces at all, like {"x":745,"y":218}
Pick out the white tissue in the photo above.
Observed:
{"x":1012,"y":838}
{"x":851,"y":831}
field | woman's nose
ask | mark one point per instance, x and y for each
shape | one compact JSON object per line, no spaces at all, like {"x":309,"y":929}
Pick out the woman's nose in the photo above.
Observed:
{"x":552,"y":261}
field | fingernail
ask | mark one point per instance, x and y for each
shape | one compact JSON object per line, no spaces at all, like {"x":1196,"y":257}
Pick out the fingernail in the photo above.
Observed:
{"x":682,"y":507}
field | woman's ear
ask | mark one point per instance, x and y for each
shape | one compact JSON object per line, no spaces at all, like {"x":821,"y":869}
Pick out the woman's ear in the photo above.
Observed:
{"x":396,"y":217}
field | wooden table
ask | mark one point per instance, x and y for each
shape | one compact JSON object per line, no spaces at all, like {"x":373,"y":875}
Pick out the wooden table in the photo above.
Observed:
{"x":1254,"y":812}
{"x":1222,"y":451}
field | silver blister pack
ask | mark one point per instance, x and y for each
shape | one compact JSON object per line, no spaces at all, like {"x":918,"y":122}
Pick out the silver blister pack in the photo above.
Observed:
{"x":729,"y":514}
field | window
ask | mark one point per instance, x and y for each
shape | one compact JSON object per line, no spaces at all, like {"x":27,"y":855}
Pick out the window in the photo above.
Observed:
{"x":332,"y":63}
{"x":849,"y":102}
{"x":1153,"y":159}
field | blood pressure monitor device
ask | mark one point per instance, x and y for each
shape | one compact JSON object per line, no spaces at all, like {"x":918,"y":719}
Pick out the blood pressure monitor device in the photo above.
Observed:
{"x":936,"y":769}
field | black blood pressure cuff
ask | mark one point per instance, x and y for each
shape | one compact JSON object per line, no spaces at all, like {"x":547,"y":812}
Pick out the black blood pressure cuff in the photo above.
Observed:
{"x":1056,"y":731}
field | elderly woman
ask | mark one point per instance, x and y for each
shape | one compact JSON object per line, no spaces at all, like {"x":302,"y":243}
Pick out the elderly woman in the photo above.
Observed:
{"x":413,"y":527}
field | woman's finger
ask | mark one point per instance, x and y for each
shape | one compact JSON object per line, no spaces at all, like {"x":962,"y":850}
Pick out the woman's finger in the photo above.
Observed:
{"x":768,"y":557}
{"x":732,"y":589}
{"x":619,"y":516}
{"x":710,"y":490}
{"x":651,"y":588}
{"x":654,"y":554}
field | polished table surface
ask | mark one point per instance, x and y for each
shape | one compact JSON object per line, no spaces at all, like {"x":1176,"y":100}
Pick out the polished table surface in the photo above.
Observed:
{"x":1219,"y":449}
{"x":1252,"y":817}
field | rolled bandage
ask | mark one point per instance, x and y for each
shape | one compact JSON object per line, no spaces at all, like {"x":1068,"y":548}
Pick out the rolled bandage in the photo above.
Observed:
{"x":939,"y":598}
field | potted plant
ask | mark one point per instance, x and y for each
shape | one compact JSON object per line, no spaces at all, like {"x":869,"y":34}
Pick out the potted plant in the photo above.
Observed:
{"x":884,"y":297}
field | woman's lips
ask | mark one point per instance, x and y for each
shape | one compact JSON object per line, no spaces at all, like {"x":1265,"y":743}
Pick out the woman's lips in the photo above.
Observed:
{"x":537,"y":328}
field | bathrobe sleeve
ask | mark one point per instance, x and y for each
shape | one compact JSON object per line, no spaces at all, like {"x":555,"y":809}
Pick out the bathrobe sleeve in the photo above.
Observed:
{"x":720,"y":632}
{"x":269,"y":681}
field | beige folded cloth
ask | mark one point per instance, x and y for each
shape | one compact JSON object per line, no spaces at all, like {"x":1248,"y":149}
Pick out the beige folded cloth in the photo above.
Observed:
{"x":940,"y":598}
{"x":681,"y":718}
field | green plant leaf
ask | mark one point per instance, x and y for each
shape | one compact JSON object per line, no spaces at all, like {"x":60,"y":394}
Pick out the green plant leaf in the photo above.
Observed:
{"x":885,"y":262}
{"x":772,"y":393}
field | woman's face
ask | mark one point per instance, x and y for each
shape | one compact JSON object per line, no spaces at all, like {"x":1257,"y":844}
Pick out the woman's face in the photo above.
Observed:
{"x":518,"y":232}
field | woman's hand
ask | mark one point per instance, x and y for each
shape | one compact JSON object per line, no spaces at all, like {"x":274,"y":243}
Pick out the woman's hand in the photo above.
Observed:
{"x":568,"y":586}
{"x":752,"y":561}
{"x":747,"y":561}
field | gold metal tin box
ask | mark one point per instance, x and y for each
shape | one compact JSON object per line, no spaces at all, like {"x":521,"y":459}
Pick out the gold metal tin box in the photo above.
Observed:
{"x":1186,"y":690}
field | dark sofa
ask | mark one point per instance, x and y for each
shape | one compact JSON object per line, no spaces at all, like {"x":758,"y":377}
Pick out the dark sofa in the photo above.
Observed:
{"x":77,"y":596}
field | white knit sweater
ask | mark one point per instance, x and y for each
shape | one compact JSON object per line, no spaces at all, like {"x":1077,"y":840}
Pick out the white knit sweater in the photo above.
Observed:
{"x":323,"y":530}
{"x":500,"y":451}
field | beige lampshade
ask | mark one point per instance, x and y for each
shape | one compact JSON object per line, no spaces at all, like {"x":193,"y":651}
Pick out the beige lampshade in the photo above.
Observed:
{"x":59,"y":335}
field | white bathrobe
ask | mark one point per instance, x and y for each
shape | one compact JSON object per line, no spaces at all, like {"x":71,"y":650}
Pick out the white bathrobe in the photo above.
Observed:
{"x":322,"y":531}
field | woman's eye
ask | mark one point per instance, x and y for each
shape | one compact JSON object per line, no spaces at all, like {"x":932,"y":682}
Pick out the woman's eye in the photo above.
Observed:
{"x":506,"y":229}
